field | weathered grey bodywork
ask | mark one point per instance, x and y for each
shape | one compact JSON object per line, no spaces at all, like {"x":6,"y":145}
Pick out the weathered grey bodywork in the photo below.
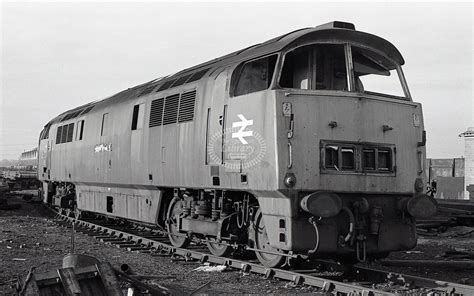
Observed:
{"x":135,"y":165}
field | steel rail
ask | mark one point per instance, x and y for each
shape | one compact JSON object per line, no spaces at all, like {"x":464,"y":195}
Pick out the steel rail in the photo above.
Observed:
{"x":370,"y":273}
{"x":325,"y":284}
{"x":155,"y":242}
{"x":448,"y":287}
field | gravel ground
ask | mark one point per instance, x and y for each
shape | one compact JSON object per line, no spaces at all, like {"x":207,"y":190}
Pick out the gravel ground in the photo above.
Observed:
{"x":28,"y":237}
{"x":29,"y":233}
{"x":433,"y":248}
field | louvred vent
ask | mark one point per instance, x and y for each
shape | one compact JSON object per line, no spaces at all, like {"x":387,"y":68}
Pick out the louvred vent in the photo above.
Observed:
{"x":186,"y":106}
{"x":58,"y":134}
{"x":171,"y":109}
{"x":156,"y":112}
{"x":70,"y":132}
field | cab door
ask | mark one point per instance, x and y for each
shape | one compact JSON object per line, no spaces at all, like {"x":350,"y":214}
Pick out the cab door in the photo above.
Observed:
{"x":44,"y":154}
{"x":216,"y":124}
{"x":44,"y":162}
{"x":137,"y":163}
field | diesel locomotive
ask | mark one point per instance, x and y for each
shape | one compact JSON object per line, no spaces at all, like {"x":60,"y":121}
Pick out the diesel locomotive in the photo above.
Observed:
{"x":308,"y":144}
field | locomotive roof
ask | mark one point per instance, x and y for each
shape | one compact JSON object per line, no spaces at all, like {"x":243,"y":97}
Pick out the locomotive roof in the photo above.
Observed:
{"x":330,"y":32}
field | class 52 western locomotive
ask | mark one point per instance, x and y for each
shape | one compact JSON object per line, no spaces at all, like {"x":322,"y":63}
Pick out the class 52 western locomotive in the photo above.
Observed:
{"x":308,"y":145}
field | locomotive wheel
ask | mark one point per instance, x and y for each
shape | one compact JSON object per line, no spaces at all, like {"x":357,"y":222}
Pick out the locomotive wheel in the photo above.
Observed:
{"x":258,"y":233}
{"x":174,"y":210}
{"x":219,"y":250}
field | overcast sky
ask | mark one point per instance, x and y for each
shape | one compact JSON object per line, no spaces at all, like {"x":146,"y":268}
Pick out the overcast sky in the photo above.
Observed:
{"x":55,"y":56}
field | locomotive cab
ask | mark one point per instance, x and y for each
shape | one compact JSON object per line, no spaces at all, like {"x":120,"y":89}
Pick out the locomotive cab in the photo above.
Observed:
{"x":349,"y":145}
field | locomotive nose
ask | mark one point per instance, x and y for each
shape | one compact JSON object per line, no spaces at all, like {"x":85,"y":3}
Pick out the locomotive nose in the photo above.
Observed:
{"x":419,"y":206}
{"x":322,"y":204}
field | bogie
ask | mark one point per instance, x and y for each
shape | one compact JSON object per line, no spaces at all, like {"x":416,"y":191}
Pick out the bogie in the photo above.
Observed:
{"x":219,"y":218}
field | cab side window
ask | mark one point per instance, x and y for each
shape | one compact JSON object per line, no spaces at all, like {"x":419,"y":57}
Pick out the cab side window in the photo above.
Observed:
{"x":79,"y":130}
{"x":105,"y":126}
{"x":253,"y":76}
{"x":137,"y":117}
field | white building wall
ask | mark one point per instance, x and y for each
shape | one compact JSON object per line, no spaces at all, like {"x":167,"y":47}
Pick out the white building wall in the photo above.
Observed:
{"x":469,"y":163}
{"x":469,"y":159}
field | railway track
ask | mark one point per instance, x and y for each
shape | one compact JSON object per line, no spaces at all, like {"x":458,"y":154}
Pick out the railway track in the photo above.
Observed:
{"x":331,"y":277}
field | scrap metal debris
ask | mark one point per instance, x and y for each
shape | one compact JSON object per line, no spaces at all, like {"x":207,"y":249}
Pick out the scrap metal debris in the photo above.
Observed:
{"x":85,"y":275}
{"x":451,"y":214}
{"x":458,"y":231}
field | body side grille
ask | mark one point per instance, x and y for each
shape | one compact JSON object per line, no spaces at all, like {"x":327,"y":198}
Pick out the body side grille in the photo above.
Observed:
{"x":186,"y":106}
{"x":171,"y":109}
{"x":156,"y":112}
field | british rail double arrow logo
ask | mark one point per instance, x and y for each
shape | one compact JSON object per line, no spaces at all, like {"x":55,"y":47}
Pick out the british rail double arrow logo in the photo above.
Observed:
{"x":242,"y":133}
